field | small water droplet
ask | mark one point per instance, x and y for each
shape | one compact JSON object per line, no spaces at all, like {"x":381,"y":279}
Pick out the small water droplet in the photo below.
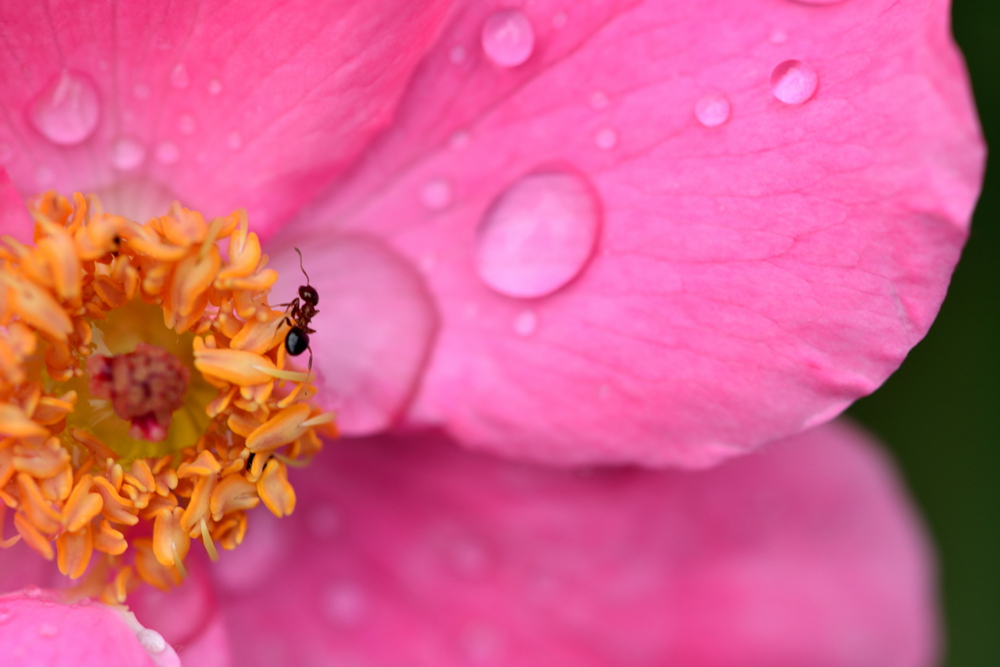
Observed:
{"x":33,"y":592}
{"x":345,"y":604}
{"x":606,"y":138}
{"x":712,"y":110}
{"x":235,"y":141}
{"x":127,"y":154}
{"x":168,"y":153}
{"x":6,"y":152}
{"x":793,"y":82}
{"x":526,"y":323}
{"x":457,"y":54}
{"x":559,"y":20}
{"x":47,"y":630}
{"x":186,"y":124}
{"x":468,"y":557}
{"x":604,"y":392}
{"x":459,"y":140}
{"x":483,"y":645}
{"x":778,"y":36}
{"x":151,"y":640}
{"x":538,"y":234}
{"x":599,"y":100}
{"x":214,"y":87}
{"x":5,"y":615}
{"x":508,"y":37}
{"x":818,"y":2}
{"x":67,"y":110}
{"x":141,"y":91}
{"x":435,"y":194}
{"x":179,"y":77}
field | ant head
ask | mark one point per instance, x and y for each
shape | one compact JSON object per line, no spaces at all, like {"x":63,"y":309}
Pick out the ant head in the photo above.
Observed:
{"x":309,"y":294}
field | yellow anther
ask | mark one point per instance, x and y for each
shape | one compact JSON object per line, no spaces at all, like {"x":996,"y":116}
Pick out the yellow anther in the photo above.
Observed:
{"x":15,"y":423}
{"x":280,"y":429}
{"x":274,"y":489}
{"x":232,"y":494}
{"x":198,"y":506}
{"x":36,"y":307}
{"x":235,"y":366}
{"x":170,"y":541}
{"x":109,"y":540}
{"x":83,"y":505}
{"x":75,"y":550}
{"x":36,"y":506}
{"x":116,"y":508}
{"x":51,"y":409}
{"x":32,"y":537}
{"x":41,"y":462}
{"x":205,"y":464}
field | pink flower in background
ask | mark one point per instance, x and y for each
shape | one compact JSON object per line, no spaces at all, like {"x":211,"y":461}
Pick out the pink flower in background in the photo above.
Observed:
{"x":654,"y":233}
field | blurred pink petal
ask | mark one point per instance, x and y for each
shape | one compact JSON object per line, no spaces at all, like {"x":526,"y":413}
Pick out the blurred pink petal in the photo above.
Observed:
{"x":375,"y":326}
{"x":36,"y":629}
{"x":222,"y":104}
{"x":410,"y":551}
{"x":676,"y":230}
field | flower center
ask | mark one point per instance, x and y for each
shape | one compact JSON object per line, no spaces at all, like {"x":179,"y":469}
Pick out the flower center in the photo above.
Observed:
{"x":144,"y":393}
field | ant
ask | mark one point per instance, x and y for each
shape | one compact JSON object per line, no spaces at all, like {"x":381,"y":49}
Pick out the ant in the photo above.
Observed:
{"x":303,"y":309}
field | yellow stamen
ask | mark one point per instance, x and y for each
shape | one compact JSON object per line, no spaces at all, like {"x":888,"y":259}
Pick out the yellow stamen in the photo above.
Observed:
{"x":99,"y":318}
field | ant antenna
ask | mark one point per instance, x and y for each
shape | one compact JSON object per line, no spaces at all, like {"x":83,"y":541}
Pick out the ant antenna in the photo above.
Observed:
{"x":300,"y":265}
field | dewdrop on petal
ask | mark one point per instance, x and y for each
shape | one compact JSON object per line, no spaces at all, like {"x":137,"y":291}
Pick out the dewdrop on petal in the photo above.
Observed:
{"x":145,"y":402}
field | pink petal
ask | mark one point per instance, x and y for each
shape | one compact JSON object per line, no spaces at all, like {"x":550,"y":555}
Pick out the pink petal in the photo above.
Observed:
{"x":14,"y":218}
{"x":638,"y":251}
{"x":411,"y":551}
{"x":374,"y":329}
{"x":36,"y":629}
{"x":219,"y":103}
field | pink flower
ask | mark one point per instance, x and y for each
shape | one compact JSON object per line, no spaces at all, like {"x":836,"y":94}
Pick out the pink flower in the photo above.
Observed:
{"x":655,"y":233}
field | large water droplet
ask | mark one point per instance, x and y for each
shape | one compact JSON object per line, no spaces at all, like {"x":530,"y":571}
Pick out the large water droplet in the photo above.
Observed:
{"x":151,"y":640}
{"x":179,"y":77}
{"x":345,"y":603}
{"x":214,"y":87}
{"x":435,"y":194}
{"x":793,"y":82}
{"x":168,"y":153}
{"x":127,"y":154}
{"x":526,"y":323}
{"x":67,"y":110}
{"x":508,"y":38}
{"x":712,"y":110}
{"x":538,"y":234}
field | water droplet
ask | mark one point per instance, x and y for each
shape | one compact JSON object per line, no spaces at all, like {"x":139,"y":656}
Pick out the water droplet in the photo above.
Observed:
{"x":186,"y":124}
{"x":33,"y":592}
{"x":6,"y":152}
{"x":457,"y":54}
{"x":526,"y":323}
{"x":468,"y":557}
{"x":604,"y":392}
{"x":127,"y":154}
{"x":151,"y":640}
{"x":168,"y":153}
{"x":235,"y":141}
{"x":435,"y":194}
{"x":5,"y":615}
{"x":712,"y":110}
{"x":793,"y":82}
{"x":459,"y":140}
{"x":538,"y":234}
{"x":345,"y":604}
{"x":179,"y":77}
{"x":559,"y":20}
{"x":141,"y":91}
{"x":67,"y":110}
{"x":214,"y":87}
{"x":599,"y":100}
{"x":508,"y":38}
{"x":47,"y":630}
{"x":778,"y":36}
{"x":606,"y":138}
{"x":483,"y":645}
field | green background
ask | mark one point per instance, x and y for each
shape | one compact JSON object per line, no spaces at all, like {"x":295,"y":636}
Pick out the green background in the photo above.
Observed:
{"x":940,"y":414}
